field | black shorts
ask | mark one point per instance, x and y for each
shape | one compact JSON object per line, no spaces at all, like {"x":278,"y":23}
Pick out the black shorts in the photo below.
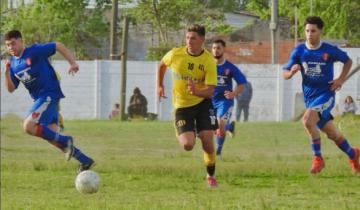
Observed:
{"x":196,"y":118}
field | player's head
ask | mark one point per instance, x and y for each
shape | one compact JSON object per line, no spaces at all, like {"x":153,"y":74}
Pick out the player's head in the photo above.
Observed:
{"x":195,"y":37}
{"x":313,"y":26}
{"x":13,"y":42}
{"x":349,"y":99}
{"x":218,"y":48}
{"x":117,"y":106}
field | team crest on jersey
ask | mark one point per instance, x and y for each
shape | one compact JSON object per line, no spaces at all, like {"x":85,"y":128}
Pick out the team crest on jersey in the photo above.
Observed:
{"x":227,"y":72}
{"x":28,"y":61}
{"x":325,"y":56}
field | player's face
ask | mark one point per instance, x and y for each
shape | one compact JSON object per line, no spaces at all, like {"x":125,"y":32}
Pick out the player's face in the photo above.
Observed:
{"x":217,"y":50}
{"x":312,"y":33}
{"x":14,"y":46}
{"x":194,"y":42}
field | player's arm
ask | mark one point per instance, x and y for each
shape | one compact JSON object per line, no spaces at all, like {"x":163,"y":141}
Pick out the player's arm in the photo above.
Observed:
{"x":337,"y":83}
{"x":288,"y":74}
{"x":8,"y":81}
{"x":74,"y":67}
{"x":160,"y":79}
{"x":292,"y":67}
{"x":232,"y":94}
{"x":205,"y":92}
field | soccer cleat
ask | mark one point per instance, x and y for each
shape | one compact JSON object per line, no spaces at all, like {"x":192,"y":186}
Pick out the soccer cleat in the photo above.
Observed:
{"x":86,"y":166}
{"x":211,"y":181}
{"x":69,"y":150}
{"x":317,"y":165}
{"x":354,"y":163}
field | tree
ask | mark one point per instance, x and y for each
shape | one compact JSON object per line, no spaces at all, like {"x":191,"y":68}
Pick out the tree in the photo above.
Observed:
{"x":346,"y":25}
{"x":66,"y":21}
{"x":165,"y":16}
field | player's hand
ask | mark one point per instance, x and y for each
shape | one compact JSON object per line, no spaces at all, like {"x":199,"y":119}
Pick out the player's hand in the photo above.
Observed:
{"x":191,"y":87}
{"x":161,"y":92}
{"x":295,"y":68}
{"x":7,"y":66}
{"x":229,"y":94}
{"x":336,"y":84}
{"x":74,"y":68}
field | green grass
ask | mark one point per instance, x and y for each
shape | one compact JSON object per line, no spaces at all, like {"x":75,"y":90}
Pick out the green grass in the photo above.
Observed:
{"x":142,"y":167}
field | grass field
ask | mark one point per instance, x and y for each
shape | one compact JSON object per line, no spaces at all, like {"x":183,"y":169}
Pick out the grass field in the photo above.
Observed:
{"x":142,"y":167}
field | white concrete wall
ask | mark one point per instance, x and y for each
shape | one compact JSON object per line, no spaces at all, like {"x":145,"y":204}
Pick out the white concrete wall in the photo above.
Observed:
{"x":91,"y":93}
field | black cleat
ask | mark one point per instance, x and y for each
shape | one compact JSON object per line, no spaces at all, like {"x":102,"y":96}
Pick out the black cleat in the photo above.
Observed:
{"x":87,"y":166}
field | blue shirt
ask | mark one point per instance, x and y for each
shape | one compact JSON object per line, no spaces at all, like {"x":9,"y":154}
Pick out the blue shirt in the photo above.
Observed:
{"x":317,"y":69}
{"x":33,"y":69}
{"x":225,"y":73}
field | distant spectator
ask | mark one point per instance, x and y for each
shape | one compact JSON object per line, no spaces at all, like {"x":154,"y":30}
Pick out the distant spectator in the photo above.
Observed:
{"x":243,"y":101}
{"x":138,"y":104}
{"x":115,"y":112}
{"x":349,"y":105}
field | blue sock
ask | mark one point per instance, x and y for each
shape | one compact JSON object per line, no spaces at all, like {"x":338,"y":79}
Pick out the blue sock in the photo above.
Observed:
{"x":81,"y":157}
{"x":219,"y":142}
{"x":51,"y":136}
{"x":316,"y":147}
{"x":345,"y":147}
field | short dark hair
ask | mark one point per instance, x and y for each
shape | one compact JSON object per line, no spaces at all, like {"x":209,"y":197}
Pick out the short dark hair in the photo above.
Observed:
{"x":314,"y":20}
{"x":199,"y":29}
{"x":220,"y":41}
{"x":13,"y":34}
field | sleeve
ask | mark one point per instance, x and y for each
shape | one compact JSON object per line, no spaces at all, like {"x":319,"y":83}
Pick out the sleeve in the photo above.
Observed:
{"x":340,"y":55}
{"x":238,"y":75}
{"x":211,"y":73}
{"x":294,"y":59}
{"x":167,"y":59}
{"x":14,"y":79}
{"x":46,"y":50}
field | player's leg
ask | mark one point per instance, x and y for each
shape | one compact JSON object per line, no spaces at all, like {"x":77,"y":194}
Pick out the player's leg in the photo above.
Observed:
{"x":185,"y":127}
{"x":310,"y":120}
{"x":352,"y":152}
{"x":43,"y":111}
{"x":205,"y":125}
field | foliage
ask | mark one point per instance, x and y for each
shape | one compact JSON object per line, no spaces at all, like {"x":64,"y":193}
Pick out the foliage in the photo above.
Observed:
{"x":65,"y":21}
{"x":346,"y":25}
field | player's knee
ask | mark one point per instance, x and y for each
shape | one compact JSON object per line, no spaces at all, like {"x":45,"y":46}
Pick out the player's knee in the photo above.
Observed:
{"x":29,"y":127}
{"x":188,"y":146}
{"x":307,"y":123}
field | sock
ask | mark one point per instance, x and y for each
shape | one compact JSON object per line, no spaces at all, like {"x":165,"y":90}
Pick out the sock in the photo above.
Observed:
{"x":316,"y":147}
{"x":210,"y":170}
{"x":51,"y":136}
{"x":81,"y":157}
{"x":219,"y":142}
{"x":345,"y":147}
{"x":209,"y":160}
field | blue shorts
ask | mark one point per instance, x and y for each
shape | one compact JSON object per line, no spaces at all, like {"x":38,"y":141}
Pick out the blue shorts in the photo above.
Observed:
{"x":323,"y":106}
{"x":44,"y":111}
{"x":223,"y":109}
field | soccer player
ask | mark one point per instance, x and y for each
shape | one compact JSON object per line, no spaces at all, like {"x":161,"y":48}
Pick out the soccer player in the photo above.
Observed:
{"x":30,"y":66}
{"x":194,"y":78}
{"x":223,"y":98}
{"x":315,"y":60}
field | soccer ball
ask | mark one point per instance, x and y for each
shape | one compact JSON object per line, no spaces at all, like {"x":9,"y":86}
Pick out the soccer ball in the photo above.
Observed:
{"x":87,"y":182}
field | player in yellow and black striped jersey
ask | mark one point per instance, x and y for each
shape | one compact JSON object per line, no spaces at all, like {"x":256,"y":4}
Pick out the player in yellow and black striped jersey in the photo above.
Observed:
{"x":194,"y":78}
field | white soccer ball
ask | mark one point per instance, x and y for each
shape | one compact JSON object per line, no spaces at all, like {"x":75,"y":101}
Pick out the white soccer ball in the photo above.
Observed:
{"x":87,"y":182}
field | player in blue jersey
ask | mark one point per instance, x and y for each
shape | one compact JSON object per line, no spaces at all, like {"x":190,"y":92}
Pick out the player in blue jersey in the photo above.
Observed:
{"x":223,"y":98}
{"x":30,"y":66}
{"x":315,"y":60}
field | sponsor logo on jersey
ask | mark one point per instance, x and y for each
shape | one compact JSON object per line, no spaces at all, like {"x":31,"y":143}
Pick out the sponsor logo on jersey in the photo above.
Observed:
{"x":28,"y":61}
{"x":325,"y":56}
